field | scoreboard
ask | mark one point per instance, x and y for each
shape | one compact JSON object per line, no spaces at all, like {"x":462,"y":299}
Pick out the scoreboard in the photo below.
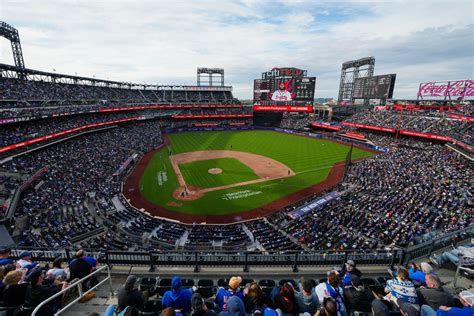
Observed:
{"x":376,"y":87}
{"x":298,"y":91}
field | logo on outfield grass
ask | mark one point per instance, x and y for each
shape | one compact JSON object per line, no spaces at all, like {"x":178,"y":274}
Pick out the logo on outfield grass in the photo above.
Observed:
{"x":161,"y":178}
{"x":239,"y":195}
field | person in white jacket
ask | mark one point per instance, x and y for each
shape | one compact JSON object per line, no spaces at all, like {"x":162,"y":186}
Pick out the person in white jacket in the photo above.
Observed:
{"x":332,"y":289}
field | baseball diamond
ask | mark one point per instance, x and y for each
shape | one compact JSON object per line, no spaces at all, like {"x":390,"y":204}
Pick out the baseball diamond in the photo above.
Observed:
{"x":259,"y":169}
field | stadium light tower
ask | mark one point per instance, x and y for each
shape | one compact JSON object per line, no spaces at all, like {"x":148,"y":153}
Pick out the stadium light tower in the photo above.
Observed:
{"x":10,"y":33}
{"x":351,"y":70}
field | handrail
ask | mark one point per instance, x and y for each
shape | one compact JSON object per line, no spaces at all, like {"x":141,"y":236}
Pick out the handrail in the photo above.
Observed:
{"x":77,"y":284}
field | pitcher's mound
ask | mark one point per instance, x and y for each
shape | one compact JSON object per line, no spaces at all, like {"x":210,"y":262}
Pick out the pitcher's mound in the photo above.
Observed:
{"x":215,"y":171}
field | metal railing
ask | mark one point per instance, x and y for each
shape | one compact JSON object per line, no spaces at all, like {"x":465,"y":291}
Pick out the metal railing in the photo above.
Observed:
{"x":244,"y":259}
{"x":81,"y":294}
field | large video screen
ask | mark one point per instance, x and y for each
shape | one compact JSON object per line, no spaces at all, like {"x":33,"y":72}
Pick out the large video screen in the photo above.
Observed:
{"x":285,"y":89}
{"x":376,"y":87}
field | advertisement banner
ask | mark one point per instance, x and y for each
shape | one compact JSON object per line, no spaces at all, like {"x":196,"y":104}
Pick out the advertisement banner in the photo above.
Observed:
{"x":425,"y":135}
{"x":43,"y":138}
{"x":462,"y":145}
{"x":314,"y":205}
{"x":375,"y":128}
{"x":461,"y":117}
{"x":355,"y":135}
{"x":326,"y":126}
{"x":211,"y":116}
{"x":283,"y":108}
{"x":458,"y":88}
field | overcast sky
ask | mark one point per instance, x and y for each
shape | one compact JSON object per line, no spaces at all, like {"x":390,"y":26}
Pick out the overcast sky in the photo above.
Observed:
{"x":165,"y":41}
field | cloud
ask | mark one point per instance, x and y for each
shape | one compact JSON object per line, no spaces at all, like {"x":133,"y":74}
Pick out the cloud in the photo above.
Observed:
{"x":165,"y":41}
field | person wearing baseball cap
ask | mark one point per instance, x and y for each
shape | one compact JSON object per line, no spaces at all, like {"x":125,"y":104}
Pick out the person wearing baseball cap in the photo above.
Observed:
{"x":349,"y":270}
{"x":130,"y":294}
{"x":25,"y":261}
{"x":223,"y":294}
{"x":177,"y":298}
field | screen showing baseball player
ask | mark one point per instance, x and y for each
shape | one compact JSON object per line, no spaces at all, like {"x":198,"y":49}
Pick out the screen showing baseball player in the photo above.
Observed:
{"x":281,"y":94}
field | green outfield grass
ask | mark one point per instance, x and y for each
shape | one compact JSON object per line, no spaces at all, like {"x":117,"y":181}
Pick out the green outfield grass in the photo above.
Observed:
{"x":311,"y":160}
{"x":233,"y":171}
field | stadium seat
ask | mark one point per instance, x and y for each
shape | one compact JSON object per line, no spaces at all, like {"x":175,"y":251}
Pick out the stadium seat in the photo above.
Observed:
{"x":383,"y":280}
{"x":291,"y":281}
{"x":149,"y":284}
{"x":153,"y":306}
{"x":245,"y":282}
{"x":267,"y":285}
{"x":164,"y":285}
{"x":187,"y":283}
{"x":223,"y":282}
{"x":205,"y":288}
{"x":369,"y":281}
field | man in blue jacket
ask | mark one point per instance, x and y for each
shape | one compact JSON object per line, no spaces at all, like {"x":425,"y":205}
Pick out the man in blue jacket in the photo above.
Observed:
{"x":177,"y":298}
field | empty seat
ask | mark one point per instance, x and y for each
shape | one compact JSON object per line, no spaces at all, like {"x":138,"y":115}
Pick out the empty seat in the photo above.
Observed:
{"x":153,"y":306}
{"x":163,"y":286}
{"x":223,"y":282}
{"x":205,"y":288}
{"x":187,"y":283}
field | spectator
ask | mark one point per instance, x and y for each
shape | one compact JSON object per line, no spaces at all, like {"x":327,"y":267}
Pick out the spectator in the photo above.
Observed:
{"x":255,"y":299}
{"x":331,"y":288}
{"x":401,"y":293}
{"x":284,"y":299}
{"x":5,"y":254}
{"x":223,"y":294}
{"x":25,"y":261}
{"x":199,"y":308}
{"x":357,"y":297}
{"x":434,"y":295}
{"x":178,"y":298}
{"x":467,"y":300}
{"x":14,"y":291}
{"x":235,"y":307}
{"x":130,"y":295}
{"x":58,"y":272}
{"x":328,"y":308}
{"x":454,"y":255}
{"x":79,"y":268}
{"x":348,"y":271}
{"x":37,"y":292}
{"x":418,"y":273}
{"x":306,"y":300}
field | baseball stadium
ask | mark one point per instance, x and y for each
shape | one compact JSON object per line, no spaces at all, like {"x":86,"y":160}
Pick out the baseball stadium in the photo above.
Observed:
{"x":263,"y":197}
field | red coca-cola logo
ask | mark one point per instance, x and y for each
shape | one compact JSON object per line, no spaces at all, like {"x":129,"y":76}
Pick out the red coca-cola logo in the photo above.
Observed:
{"x":459,"y":88}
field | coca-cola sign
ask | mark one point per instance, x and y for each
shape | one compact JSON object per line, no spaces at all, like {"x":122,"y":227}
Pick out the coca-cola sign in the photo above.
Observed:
{"x":458,"y":88}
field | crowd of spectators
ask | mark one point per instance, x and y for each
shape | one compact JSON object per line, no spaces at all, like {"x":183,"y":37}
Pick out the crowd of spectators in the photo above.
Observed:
{"x":344,"y":291}
{"x":419,"y":121}
{"x":24,"y":283}
{"x":28,"y":98}
{"x":390,"y":200}
{"x":403,"y":194}
{"x":296,"y":121}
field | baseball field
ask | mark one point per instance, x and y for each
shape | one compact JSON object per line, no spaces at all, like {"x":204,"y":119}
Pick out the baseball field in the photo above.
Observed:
{"x":206,"y":174}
